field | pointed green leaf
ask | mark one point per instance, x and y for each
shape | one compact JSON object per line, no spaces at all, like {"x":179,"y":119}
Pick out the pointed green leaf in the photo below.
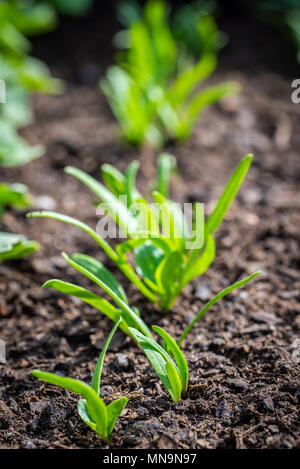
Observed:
{"x":174,"y":381}
{"x":95,"y":384}
{"x":85,"y":295}
{"x":130,"y":187}
{"x":116,"y":209}
{"x":114,"y":179}
{"x":147,"y":258}
{"x":202,"y":263}
{"x":228,"y":195}
{"x":72,"y":221}
{"x":83,"y":413}
{"x":168,"y":274}
{"x":114,"y":410}
{"x":97,"y":268}
{"x":213,"y":301}
{"x":178,"y":355}
{"x":158,"y":358}
{"x":130,"y":316}
{"x":165,"y":167}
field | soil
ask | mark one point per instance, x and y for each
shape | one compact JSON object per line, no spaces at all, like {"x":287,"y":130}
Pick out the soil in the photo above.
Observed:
{"x":244,"y":354}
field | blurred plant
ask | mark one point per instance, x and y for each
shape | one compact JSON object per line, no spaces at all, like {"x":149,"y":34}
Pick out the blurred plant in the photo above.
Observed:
{"x":285,"y":15}
{"x":14,"y":246}
{"x":194,"y":25}
{"x":92,"y":409}
{"x":22,"y":75}
{"x":71,"y":7}
{"x":152,"y":89}
{"x":13,"y":195}
{"x":166,"y":254}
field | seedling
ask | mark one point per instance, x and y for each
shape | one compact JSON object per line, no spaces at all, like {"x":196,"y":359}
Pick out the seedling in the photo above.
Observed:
{"x":94,"y":412}
{"x":151,"y":89}
{"x":14,"y":246}
{"x":167,"y":255}
{"x":13,"y":195}
{"x":22,"y":75}
{"x":174,"y":374}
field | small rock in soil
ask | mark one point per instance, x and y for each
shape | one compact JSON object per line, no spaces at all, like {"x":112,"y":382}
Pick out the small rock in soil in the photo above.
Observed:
{"x":203,"y":291}
{"x":121,"y":362}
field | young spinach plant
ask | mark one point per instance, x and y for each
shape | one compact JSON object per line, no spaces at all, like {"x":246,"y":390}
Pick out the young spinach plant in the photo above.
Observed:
{"x":94,"y":412}
{"x":152,"y":89}
{"x":168,"y":360}
{"x":167,"y":254}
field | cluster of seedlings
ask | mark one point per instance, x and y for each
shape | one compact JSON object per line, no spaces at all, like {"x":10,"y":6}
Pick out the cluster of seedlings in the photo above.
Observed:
{"x":162,"y":265}
{"x":153,"y":91}
{"x":153,"y":87}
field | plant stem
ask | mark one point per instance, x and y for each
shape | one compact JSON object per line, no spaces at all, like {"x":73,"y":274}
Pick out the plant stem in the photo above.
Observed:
{"x":132,"y":276}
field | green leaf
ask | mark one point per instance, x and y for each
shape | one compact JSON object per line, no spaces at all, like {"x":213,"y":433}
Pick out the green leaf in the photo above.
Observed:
{"x":213,"y":301}
{"x":192,"y":76}
{"x":83,"y":413}
{"x":166,"y":166}
{"x":158,"y":358}
{"x":127,"y":246}
{"x":168,"y":275}
{"x":170,"y":228}
{"x":95,"y":406}
{"x":72,"y":221}
{"x":174,"y":381}
{"x":178,"y":355}
{"x":95,"y":384}
{"x":13,"y":246}
{"x":147,"y":259}
{"x":130,"y":188}
{"x":210,"y":95}
{"x":147,"y":216}
{"x":14,"y":195}
{"x":202,"y":263}
{"x":114,"y":179}
{"x":14,"y":150}
{"x":117,"y":210}
{"x":228,"y":195}
{"x":97,"y":268}
{"x":88,"y":297}
{"x":130,"y":316}
{"x":114,"y":410}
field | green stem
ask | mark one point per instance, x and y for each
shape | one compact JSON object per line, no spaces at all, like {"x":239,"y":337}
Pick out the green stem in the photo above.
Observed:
{"x":132,"y":276}
{"x":212,"y":302}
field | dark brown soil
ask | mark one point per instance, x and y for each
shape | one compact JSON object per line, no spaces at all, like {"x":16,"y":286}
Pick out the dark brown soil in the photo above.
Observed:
{"x":243,"y":356}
